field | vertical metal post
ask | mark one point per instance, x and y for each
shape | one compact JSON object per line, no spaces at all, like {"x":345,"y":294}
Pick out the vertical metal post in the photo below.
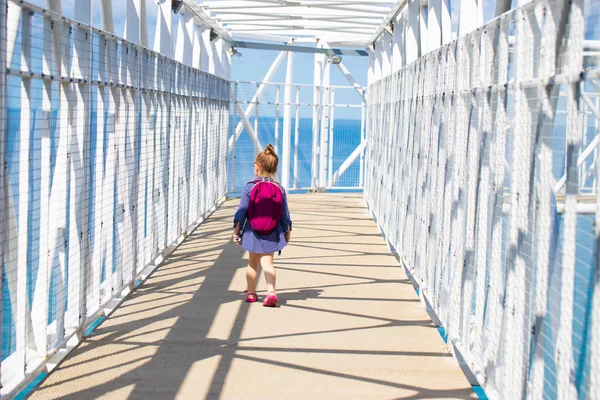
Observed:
{"x":196,"y":45}
{"x":398,"y":46}
{"x":184,"y":51}
{"x":324,"y":146}
{"x":331,"y":137}
{"x":315,"y":137}
{"x":3,"y":138}
{"x":319,"y":81}
{"x":132,"y":24}
{"x":164,"y":25}
{"x":287,"y":122}
{"x":106,"y":15}
{"x":233,"y":150}
{"x":412,"y":31}
{"x":434,"y":19}
{"x":446,"y":22}
{"x":204,"y":48}
{"x":296,"y":133}
{"x":423,"y":31}
{"x":361,"y":178}
{"x":256,"y":115}
{"x":143,"y":24}
{"x":471,"y":16}
{"x":15,"y":14}
{"x":277,"y":92}
{"x":596,"y":153}
{"x":594,"y":380}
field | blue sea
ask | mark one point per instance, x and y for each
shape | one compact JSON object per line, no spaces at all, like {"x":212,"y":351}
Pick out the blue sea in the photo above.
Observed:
{"x":346,"y":138}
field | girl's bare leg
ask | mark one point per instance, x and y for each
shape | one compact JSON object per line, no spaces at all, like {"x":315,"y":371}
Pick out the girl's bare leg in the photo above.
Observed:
{"x":269,"y":270}
{"x":252,"y":271}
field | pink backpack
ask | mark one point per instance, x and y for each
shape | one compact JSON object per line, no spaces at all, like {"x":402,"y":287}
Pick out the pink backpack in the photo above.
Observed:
{"x":265,"y":207}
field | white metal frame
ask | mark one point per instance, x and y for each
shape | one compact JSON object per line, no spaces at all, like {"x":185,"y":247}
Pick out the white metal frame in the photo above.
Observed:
{"x":338,"y":23}
{"x":455,"y":147}
{"x":182,"y":117}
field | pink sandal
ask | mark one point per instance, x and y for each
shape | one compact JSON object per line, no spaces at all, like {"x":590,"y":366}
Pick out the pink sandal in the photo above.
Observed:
{"x":270,"y":300}
{"x":251,"y":298}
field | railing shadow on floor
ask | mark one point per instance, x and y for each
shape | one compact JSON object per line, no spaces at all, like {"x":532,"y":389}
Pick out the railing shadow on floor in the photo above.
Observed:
{"x":182,"y":300}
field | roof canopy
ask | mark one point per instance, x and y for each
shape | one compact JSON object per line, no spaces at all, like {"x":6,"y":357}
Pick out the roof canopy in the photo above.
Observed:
{"x":340,"y":23}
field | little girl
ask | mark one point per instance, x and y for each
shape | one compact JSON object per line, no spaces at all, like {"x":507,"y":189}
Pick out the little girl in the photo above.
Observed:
{"x":262,"y":246}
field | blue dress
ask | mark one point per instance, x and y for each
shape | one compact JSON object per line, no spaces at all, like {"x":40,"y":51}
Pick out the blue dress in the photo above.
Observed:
{"x":254,"y":242}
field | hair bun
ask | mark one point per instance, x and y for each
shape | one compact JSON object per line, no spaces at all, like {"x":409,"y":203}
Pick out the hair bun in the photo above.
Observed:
{"x":269,"y":149}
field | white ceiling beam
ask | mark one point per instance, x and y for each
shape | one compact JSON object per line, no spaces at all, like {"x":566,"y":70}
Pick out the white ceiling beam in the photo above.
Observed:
{"x":199,"y":13}
{"x":312,"y":25}
{"x":239,"y":4}
{"x":388,"y":19}
{"x":353,"y":7}
{"x":307,"y":23}
{"x":302,"y":31}
{"x":367,"y":9}
{"x":295,"y":12}
{"x":262,"y":37}
{"x":353,"y":18}
{"x":299,"y":49}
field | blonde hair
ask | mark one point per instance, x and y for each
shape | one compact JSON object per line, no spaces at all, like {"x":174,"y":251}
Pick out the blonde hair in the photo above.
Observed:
{"x":268,"y":160}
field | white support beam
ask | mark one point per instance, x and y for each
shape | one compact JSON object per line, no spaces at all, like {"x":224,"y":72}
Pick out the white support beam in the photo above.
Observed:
{"x":257,"y":145}
{"x":331,"y":117}
{"x":590,"y":147}
{"x":471,"y":16}
{"x":133,"y":20}
{"x":226,"y":62}
{"x":377,"y":59}
{"x":79,"y":147}
{"x":502,"y":6}
{"x":349,"y":161}
{"x":214,"y":56}
{"x":20,"y":296}
{"x":106,"y":15}
{"x":163,"y":39}
{"x":320,"y":80}
{"x":197,"y":46}
{"x":296,"y":136}
{"x":423,"y":30}
{"x":200,"y":14}
{"x":204,"y":49}
{"x":386,"y":54}
{"x":56,"y":5}
{"x":371,"y":69}
{"x":398,"y":46}
{"x":391,"y":16}
{"x":446,"y":22}
{"x":268,"y":76}
{"x":350,"y":78}
{"x":324,"y":126}
{"x":143,"y":24}
{"x":4,"y":232}
{"x":412,"y":31}
{"x":434,"y":24}
{"x":287,"y":122}
{"x":183,"y":42}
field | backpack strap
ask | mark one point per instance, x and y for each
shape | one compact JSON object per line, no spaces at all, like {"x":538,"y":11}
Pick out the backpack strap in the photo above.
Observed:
{"x":264,"y":180}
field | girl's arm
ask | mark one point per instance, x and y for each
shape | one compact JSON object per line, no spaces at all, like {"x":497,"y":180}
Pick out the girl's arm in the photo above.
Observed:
{"x":239,"y":220}
{"x":286,"y":221}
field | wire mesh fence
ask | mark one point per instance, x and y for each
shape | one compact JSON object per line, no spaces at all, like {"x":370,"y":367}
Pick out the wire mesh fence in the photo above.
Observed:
{"x":327,"y":118}
{"x":112,"y":153}
{"x":482,"y":171}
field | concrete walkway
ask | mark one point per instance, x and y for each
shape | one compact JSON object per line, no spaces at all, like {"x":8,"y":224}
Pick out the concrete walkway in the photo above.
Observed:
{"x":349,"y":325}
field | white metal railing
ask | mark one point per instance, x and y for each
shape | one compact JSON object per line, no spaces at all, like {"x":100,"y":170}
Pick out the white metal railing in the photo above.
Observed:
{"x":325,"y":129}
{"x":111,"y":154}
{"x":482,"y":171}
